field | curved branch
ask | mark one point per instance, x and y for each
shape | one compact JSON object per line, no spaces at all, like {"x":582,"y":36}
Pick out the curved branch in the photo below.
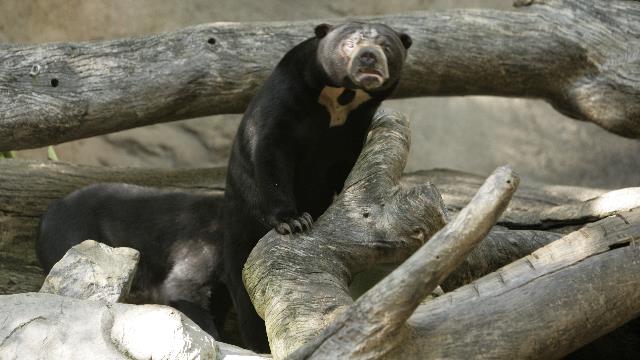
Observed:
{"x":580,"y":55}
{"x":298,"y":284}
{"x":372,"y":326}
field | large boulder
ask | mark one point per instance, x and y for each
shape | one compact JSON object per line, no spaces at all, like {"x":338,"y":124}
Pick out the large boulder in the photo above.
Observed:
{"x":38,"y":325}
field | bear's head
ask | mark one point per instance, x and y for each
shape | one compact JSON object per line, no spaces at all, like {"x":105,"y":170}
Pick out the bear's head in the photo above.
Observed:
{"x":361,"y":55}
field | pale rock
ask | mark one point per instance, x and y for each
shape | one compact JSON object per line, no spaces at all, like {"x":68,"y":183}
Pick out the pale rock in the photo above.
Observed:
{"x":93,"y":271}
{"x":46,"y":326}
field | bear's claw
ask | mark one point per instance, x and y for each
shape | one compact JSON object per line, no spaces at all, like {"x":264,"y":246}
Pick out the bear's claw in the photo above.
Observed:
{"x":295,"y":225}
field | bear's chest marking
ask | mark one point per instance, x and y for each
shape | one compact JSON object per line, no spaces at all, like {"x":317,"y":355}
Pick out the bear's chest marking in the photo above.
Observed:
{"x":340,"y":103}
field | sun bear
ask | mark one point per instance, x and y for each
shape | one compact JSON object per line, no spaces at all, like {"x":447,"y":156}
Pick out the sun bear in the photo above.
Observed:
{"x":298,"y":140}
{"x":179,"y":241}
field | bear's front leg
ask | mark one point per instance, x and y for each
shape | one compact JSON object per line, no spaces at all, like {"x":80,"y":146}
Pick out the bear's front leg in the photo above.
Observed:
{"x":275,"y":173}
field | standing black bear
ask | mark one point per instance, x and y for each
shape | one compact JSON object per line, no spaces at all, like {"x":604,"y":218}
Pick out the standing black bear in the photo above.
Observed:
{"x":179,"y":241}
{"x":299,"y":139}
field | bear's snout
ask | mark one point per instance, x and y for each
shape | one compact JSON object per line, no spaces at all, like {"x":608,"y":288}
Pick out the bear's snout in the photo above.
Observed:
{"x":369,"y":68}
{"x":368,"y":58}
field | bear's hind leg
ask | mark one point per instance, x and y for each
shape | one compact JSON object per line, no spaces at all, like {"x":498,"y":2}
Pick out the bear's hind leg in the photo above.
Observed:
{"x":239,"y":241}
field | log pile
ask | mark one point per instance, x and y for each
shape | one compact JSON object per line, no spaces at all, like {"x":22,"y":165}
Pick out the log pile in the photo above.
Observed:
{"x":528,"y":270}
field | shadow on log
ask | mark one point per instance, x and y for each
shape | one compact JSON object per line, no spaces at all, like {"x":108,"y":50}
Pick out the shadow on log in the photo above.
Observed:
{"x":580,"y":55}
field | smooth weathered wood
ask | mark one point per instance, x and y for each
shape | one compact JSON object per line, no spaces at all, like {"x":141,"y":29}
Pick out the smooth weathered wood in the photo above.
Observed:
{"x":374,"y":220}
{"x":499,"y":248}
{"x":27,"y":187}
{"x":583,"y":56}
{"x":587,"y":284}
{"x":299,"y":284}
{"x":374,"y":324}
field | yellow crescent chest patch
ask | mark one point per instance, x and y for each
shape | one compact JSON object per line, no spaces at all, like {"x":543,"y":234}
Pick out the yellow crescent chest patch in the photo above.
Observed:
{"x":338,"y":112}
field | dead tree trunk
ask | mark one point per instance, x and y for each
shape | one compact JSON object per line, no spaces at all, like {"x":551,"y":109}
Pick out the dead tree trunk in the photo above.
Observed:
{"x":580,"y":55}
{"x":299,"y":283}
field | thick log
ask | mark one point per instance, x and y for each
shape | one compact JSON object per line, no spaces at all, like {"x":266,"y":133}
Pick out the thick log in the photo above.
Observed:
{"x":299,"y":284}
{"x":27,"y":188}
{"x":371,"y":216}
{"x":580,"y":55}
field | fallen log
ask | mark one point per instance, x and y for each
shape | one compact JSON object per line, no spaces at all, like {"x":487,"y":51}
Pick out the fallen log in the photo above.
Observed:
{"x":547,"y":304}
{"x":299,"y":284}
{"x":27,"y":188}
{"x":580,"y":55}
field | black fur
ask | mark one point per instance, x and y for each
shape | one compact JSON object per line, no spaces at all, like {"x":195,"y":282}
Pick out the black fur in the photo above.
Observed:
{"x":286,"y":161}
{"x":166,"y":227}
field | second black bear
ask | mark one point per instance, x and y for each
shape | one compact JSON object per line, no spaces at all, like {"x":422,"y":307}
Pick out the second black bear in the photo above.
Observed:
{"x":178,"y":236}
{"x":299,"y":139}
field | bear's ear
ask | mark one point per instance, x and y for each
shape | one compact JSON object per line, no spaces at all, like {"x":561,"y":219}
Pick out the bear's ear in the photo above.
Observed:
{"x":322,"y":30}
{"x":406,"y":40}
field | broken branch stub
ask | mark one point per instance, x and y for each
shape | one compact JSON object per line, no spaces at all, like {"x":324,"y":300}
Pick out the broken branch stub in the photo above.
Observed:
{"x":299,"y":283}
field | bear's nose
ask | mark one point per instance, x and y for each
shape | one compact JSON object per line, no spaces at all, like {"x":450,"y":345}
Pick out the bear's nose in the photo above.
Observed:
{"x":368,"y":58}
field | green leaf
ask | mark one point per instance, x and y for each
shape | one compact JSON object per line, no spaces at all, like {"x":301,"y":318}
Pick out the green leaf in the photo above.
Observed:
{"x":51,"y":154}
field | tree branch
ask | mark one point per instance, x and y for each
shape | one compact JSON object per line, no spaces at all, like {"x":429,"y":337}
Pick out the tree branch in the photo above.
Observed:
{"x":301,"y":289}
{"x":580,"y":55}
{"x":558,"y":299}
{"x":372,"y":325}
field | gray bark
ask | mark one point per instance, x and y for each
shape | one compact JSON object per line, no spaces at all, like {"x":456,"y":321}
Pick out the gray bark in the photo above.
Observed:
{"x":299,"y":284}
{"x":28,"y":187}
{"x":375,"y":324}
{"x":580,"y":55}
